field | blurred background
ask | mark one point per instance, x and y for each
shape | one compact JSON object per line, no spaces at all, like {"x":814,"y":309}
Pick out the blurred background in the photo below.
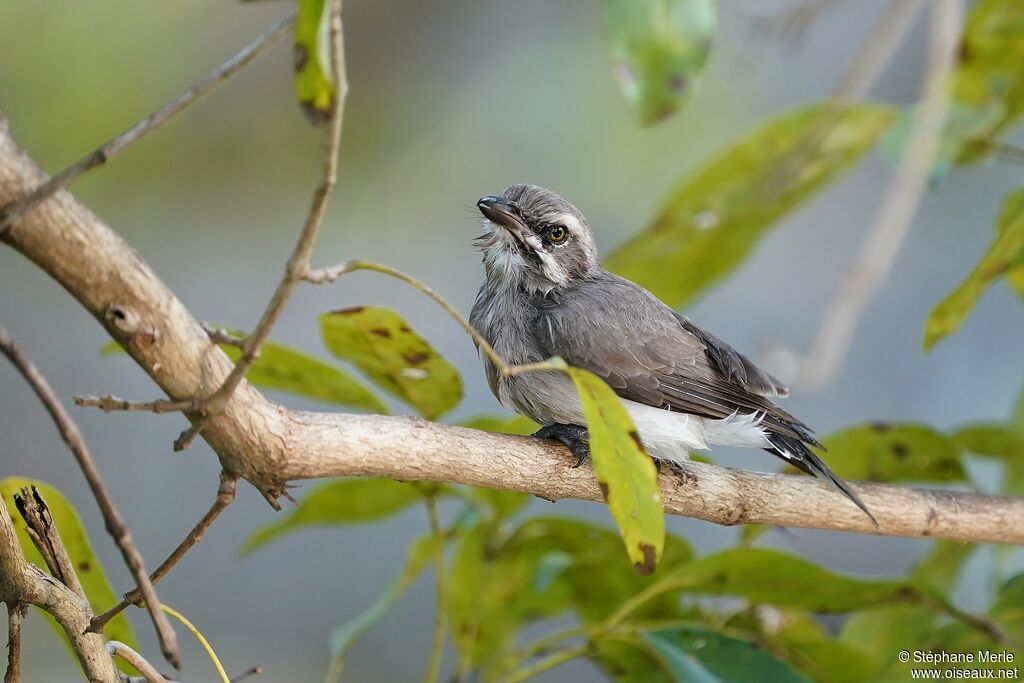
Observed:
{"x":449,"y":100}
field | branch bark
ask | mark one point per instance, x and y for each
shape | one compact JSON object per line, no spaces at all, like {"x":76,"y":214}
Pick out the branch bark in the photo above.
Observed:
{"x":269,"y":445}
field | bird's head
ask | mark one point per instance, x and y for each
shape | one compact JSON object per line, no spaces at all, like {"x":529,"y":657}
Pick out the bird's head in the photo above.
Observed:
{"x":535,"y":238}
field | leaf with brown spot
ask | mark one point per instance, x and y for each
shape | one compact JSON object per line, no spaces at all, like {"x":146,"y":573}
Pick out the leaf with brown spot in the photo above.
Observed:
{"x":897,"y":453}
{"x":314,"y":82}
{"x":90,"y":572}
{"x":381,"y":344}
{"x":624,"y":471}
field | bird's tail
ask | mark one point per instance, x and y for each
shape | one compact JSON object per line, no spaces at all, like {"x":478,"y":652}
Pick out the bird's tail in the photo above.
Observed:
{"x":796,"y":453}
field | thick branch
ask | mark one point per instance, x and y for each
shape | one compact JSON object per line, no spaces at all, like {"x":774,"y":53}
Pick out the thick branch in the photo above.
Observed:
{"x":269,"y":445}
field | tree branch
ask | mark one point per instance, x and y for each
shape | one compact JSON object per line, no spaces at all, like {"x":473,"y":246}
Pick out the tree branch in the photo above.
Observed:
{"x":16,"y":613}
{"x":118,"y":649}
{"x":114,"y":522}
{"x":21,"y":582}
{"x":269,"y":445}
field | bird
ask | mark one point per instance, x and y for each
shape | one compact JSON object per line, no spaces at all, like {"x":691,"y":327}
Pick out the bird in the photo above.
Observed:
{"x":545,"y":294}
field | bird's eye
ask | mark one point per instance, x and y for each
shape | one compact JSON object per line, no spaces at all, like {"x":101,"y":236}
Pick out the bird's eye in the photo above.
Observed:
{"x":557,"y":234}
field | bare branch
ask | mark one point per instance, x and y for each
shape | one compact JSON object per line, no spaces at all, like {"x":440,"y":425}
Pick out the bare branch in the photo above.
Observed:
{"x":13,"y":212}
{"x":114,"y":522}
{"x":46,"y":537}
{"x":252,"y":671}
{"x":118,"y":649}
{"x":16,"y":613}
{"x":221,"y":336}
{"x":896,"y":213}
{"x":21,"y":582}
{"x":225,"y":495}
{"x":298,"y":262}
{"x":269,"y":445}
{"x":110,"y":404}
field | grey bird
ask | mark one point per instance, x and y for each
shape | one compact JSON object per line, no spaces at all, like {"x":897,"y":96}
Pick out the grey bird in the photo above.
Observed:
{"x":545,"y":294}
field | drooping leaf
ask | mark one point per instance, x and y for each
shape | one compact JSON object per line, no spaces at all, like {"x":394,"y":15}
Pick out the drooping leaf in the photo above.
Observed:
{"x":692,"y":654}
{"x":345,"y":501}
{"x":381,"y":344}
{"x":713,"y":219}
{"x":895,"y":453}
{"x":87,"y":565}
{"x":1000,"y":441}
{"x":282,"y":368}
{"x":658,"y":50}
{"x":988,"y":75}
{"x":625,"y":472}
{"x":777,"y":578}
{"x":314,"y":82}
{"x":343,"y":637}
{"x":513,"y":424}
{"x":1004,"y":257}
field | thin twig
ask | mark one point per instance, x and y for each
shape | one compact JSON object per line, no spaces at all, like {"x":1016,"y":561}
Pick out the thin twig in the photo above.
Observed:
{"x":16,"y":613}
{"x":112,"y":518}
{"x":298,"y":262}
{"x":252,"y":671}
{"x":118,"y":649}
{"x":225,"y":495}
{"x":13,"y":212}
{"x":896,"y":213}
{"x":219,"y":335}
{"x":109,"y":404}
{"x":557,"y":659}
{"x":433,"y":671}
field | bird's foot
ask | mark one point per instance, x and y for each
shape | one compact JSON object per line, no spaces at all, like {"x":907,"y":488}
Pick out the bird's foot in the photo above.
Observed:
{"x":573,"y":437}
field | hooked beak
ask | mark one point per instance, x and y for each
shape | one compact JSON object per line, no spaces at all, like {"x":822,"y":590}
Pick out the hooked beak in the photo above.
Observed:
{"x":503,"y":213}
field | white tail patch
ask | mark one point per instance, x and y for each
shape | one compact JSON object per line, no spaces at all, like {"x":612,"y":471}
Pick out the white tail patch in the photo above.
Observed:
{"x":670,"y":435}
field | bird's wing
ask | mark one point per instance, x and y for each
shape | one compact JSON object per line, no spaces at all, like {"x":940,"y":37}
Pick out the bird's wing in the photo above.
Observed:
{"x":648,"y":353}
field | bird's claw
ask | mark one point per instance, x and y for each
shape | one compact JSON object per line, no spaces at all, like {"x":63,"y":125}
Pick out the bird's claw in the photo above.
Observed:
{"x":573,"y":437}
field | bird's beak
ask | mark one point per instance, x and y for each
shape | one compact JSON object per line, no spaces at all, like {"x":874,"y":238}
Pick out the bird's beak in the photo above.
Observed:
{"x":503,"y":213}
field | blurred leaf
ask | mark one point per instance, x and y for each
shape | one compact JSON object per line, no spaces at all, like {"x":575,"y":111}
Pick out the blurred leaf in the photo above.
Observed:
{"x":502,"y":503}
{"x":1017,"y":417}
{"x":941,"y":566}
{"x":698,"y":655}
{"x":993,"y":440}
{"x":1008,"y":609}
{"x":504,"y":424}
{"x":777,"y":578}
{"x":346,"y":501}
{"x":749,"y":533}
{"x":658,"y":50}
{"x":988,"y":76}
{"x":314,"y":82}
{"x":881,"y":632}
{"x":87,"y":565}
{"x":546,"y":567}
{"x":421,"y":551}
{"x":282,"y":368}
{"x":895,"y":453}
{"x":624,"y":471}
{"x":1005,"y":255}
{"x":715,"y":217}
{"x":381,"y":344}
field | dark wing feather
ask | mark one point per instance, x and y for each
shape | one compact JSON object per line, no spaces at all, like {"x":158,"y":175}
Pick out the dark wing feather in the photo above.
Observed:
{"x":652,"y":355}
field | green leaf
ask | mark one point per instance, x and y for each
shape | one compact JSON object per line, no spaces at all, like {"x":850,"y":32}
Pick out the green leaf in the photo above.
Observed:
{"x":1008,"y":609}
{"x":512,"y":424}
{"x":285,"y":369}
{"x":343,"y":637}
{"x":346,"y":501}
{"x":624,"y":471}
{"x":988,"y":75}
{"x":1004,"y":256}
{"x":993,"y":440}
{"x":773,"y":577}
{"x":314,"y":82}
{"x":282,"y":368}
{"x":895,"y":452}
{"x":658,"y":50}
{"x":381,"y":344}
{"x":941,"y":566}
{"x":87,"y":565}
{"x":692,"y":654}
{"x":714,"y":218}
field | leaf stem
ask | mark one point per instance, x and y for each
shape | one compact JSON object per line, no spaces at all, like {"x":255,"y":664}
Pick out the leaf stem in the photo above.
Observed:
{"x":555,"y":660}
{"x":437,"y":648}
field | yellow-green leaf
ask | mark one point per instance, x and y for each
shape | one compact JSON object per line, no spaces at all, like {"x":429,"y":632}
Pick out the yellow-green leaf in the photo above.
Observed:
{"x":346,"y":501}
{"x":989,"y":76}
{"x":314,"y":82}
{"x":715,"y":217}
{"x":1005,"y":256}
{"x":282,"y":368}
{"x":658,"y":50}
{"x":512,"y":424}
{"x":895,"y":453}
{"x":87,"y":565}
{"x":625,"y":472}
{"x":381,"y":344}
